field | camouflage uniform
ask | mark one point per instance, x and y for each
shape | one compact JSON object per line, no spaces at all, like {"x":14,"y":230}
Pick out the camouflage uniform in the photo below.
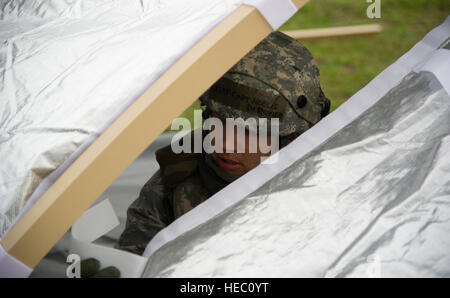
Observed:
{"x":182,"y":182}
{"x":279,"y":78}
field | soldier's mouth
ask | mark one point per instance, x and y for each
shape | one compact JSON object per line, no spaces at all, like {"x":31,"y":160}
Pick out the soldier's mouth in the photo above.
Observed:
{"x":227,"y":164}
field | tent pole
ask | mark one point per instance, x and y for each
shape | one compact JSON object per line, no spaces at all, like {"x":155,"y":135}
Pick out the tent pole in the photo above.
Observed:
{"x":307,"y":34}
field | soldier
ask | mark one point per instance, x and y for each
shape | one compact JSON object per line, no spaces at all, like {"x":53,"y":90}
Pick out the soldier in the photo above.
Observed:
{"x":278,"y":78}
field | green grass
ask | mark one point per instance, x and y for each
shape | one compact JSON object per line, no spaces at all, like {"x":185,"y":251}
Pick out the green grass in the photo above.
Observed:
{"x":348,"y":64}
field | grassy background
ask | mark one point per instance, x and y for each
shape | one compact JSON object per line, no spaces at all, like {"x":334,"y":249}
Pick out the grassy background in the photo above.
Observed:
{"x":348,"y":63}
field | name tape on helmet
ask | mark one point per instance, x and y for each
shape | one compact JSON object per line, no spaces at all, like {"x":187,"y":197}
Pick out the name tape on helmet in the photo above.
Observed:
{"x":247,"y":99}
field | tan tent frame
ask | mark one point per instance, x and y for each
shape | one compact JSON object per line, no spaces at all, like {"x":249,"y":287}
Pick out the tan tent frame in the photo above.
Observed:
{"x":91,"y":174}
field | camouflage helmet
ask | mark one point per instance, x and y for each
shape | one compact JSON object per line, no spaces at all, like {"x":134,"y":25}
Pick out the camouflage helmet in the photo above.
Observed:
{"x":279,"y":78}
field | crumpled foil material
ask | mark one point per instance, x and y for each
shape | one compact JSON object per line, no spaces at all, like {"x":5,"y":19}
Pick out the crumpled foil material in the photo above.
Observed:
{"x":67,"y":67}
{"x":371,"y":201}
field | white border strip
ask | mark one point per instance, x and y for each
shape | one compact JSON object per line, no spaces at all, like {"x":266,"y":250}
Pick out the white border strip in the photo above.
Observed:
{"x":94,"y":223}
{"x":305,"y":143}
{"x":275,"y":12}
{"x":439,"y":65}
{"x":11,"y":267}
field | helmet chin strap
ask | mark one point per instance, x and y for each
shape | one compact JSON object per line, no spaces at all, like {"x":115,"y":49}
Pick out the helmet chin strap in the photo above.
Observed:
{"x":219,"y":172}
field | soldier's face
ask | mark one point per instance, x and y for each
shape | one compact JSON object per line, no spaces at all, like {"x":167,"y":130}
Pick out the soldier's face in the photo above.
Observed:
{"x":238,"y":163}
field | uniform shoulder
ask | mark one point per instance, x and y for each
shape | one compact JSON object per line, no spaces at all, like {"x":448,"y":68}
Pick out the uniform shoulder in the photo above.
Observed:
{"x":154,"y":195}
{"x":188,"y":194}
{"x":175,"y":168}
{"x":155,"y":184}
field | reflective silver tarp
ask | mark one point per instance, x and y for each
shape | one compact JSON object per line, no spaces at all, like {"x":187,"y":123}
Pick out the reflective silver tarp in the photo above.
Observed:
{"x":69,"y":68}
{"x":371,"y":200}
{"x":374,"y":199}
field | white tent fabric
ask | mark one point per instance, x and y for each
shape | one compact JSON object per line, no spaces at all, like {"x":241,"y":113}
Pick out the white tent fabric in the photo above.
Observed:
{"x":364,"y":193}
{"x":15,"y":268}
